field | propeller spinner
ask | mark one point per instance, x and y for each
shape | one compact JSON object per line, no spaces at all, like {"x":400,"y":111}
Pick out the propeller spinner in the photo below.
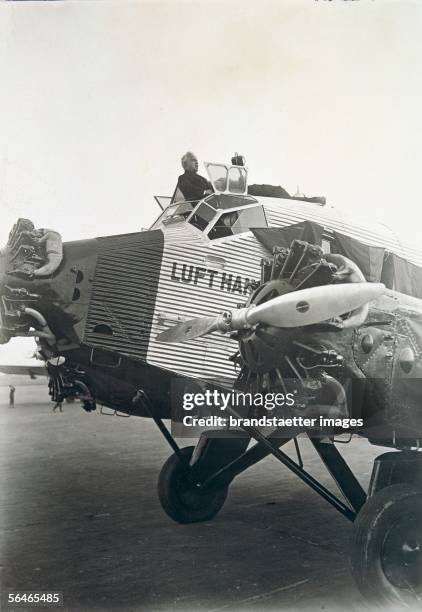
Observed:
{"x":294,"y":309}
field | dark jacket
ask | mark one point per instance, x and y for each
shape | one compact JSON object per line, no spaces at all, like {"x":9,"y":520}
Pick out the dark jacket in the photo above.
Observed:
{"x":193,"y":185}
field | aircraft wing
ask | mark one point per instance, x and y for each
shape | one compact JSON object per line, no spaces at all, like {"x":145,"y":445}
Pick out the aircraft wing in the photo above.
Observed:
{"x":31,"y":371}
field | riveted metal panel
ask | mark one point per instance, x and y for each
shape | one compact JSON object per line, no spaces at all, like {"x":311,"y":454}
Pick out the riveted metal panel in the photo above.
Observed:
{"x":124,"y":292}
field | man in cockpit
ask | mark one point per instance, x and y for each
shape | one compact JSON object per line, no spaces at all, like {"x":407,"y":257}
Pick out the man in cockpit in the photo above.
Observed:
{"x":190,"y":184}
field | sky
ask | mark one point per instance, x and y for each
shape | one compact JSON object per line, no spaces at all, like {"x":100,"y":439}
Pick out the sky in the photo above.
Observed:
{"x":99,"y":100}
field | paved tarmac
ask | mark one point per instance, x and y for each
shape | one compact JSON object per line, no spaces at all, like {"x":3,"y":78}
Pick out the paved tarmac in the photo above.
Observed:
{"x":79,"y":513}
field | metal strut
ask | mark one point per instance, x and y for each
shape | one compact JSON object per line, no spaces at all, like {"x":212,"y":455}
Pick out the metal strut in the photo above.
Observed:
{"x":299,"y":471}
{"x":340,"y":471}
{"x":265,"y":446}
{"x":250,"y":457}
{"x":141,"y":397}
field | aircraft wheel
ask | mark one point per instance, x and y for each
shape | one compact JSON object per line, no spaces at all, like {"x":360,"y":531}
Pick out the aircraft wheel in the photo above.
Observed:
{"x":387,"y":548}
{"x":181,"y":499}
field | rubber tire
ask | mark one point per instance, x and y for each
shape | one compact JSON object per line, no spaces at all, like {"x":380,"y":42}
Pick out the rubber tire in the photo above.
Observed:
{"x":371,"y":527}
{"x":180,"y":500}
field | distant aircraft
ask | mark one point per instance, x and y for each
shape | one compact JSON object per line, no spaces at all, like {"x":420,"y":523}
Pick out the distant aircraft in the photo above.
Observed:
{"x":20,"y":370}
{"x":25,"y":367}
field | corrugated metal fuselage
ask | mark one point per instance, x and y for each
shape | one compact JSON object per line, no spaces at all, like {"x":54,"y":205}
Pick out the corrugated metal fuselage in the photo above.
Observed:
{"x":201,"y":277}
{"x":148,"y":281}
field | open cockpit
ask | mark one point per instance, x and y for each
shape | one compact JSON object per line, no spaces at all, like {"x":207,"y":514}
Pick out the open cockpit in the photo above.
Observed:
{"x":229,"y":210}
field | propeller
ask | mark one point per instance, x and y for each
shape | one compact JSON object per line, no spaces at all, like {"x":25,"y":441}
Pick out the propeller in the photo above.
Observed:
{"x":294,"y":309}
{"x":194,"y":328}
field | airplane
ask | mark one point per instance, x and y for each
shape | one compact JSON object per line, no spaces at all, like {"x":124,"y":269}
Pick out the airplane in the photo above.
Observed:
{"x":25,"y":367}
{"x":246,"y":290}
{"x":22,"y":370}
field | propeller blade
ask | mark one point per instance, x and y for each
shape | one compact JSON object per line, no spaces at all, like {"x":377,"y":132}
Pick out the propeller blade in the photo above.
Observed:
{"x":314,"y":305}
{"x":295,"y":309}
{"x":188,"y":330}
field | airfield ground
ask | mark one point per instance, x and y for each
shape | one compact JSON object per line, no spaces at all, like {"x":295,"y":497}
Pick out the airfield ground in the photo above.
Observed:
{"x":79,"y":513}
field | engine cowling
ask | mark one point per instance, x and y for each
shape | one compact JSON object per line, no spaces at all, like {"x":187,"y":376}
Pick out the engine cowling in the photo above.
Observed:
{"x":308,"y":361}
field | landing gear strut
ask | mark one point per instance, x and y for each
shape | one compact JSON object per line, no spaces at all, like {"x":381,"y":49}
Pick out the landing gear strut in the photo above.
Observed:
{"x":387,"y":544}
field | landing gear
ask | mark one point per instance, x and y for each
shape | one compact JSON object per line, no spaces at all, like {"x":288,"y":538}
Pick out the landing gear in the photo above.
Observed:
{"x":387,"y":547}
{"x":181,"y":498}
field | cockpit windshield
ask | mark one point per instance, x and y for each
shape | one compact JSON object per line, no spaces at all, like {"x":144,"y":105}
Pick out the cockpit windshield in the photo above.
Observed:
{"x":218,"y":216}
{"x":202,"y":216}
{"x":222,"y":215}
{"x":230,"y":186}
{"x":218,"y":176}
{"x":228,"y":179}
{"x":238,"y":221}
{"x":237,"y":180}
{"x":175,"y":213}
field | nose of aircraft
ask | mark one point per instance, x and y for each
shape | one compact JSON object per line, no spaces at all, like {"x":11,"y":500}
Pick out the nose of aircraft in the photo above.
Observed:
{"x":100,"y":291}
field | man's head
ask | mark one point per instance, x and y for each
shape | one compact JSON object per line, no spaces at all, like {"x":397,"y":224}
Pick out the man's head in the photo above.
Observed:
{"x":190,"y":162}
